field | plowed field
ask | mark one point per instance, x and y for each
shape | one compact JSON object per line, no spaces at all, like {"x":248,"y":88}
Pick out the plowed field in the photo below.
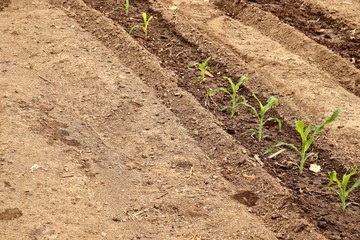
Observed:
{"x":107,"y":134}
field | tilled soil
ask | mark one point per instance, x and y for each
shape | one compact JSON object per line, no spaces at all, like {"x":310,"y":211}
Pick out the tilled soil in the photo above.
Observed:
{"x":303,"y":208}
{"x":175,"y":52}
{"x":318,"y":24}
{"x":4,"y":4}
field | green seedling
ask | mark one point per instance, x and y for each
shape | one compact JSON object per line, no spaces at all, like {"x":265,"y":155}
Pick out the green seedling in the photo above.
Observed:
{"x":272,"y":101}
{"x":145,"y":25}
{"x":127,"y":5}
{"x":146,"y":22}
{"x":234,"y":95}
{"x":203,"y":67}
{"x":306,"y":140}
{"x":116,"y":8}
{"x":133,"y":27}
{"x":343,"y":193}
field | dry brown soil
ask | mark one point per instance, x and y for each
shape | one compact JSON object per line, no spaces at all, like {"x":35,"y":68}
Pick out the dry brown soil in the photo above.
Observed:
{"x":110,"y":136}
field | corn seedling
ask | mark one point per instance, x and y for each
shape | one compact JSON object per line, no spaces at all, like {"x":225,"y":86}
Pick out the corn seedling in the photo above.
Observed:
{"x":343,"y":192}
{"x":146,"y":22}
{"x":235,"y":98}
{"x":127,"y":5}
{"x":133,"y":27}
{"x":272,"y":101}
{"x":306,"y":140}
{"x":145,"y":25}
{"x":203,"y":67}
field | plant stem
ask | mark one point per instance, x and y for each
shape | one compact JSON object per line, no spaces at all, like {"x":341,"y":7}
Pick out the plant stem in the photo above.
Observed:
{"x":302,"y":161}
{"x":260,"y":131}
{"x":233,"y":107}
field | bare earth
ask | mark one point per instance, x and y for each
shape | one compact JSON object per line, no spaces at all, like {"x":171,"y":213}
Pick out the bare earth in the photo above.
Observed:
{"x":98,"y":140}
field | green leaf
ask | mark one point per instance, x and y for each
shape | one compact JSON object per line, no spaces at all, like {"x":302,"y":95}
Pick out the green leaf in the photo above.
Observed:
{"x":271,"y":101}
{"x":275,"y":119}
{"x":144,"y":16}
{"x":300,"y":130}
{"x":257,"y":99}
{"x":346,"y":177}
{"x":310,"y":155}
{"x":133,"y":27}
{"x":192,"y":64}
{"x":328,"y":121}
{"x":332,"y":178}
{"x":212,"y":92}
{"x":355,"y":185}
{"x":207,"y":60}
{"x":307,"y":131}
{"x":224,"y":108}
{"x":280,"y":144}
{"x":307,"y":144}
{"x":300,"y":127}
{"x":245,"y":104}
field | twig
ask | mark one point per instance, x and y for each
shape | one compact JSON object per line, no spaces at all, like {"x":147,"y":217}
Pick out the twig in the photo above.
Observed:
{"x":163,"y":195}
{"x":135,"y":215}
{"x":277,"y":153}
{"x":46,"y":80}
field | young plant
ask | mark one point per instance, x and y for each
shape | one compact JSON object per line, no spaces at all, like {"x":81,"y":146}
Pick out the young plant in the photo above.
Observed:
{"x":145,"y":25}
{"x":235,"y":98}
{"x":343,"y":193}
{"x":133,"y":27}
{"x":306,"y":140}
{"x":203,"y":67}
{"x":127,"y":5}
{"x":272,"y":101}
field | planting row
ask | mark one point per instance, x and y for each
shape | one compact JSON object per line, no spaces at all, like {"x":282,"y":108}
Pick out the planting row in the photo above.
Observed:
{"x":307,"y":134}
{"x":175,"y":53}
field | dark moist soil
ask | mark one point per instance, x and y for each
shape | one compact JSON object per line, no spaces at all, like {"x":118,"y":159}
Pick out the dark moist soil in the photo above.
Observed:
{"x":309,"y":198}
{"x":4,"y":4}
{"x":314,"y":22}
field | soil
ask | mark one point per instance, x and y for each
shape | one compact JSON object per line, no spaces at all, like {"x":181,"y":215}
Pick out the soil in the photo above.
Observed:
{"x":189,"y":168}
{"x":4,"y":4}
{"x":315,"y":22}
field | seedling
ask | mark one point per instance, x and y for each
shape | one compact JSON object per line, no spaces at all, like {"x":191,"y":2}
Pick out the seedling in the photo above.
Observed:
{"x":306,"y":141}
{"x":343,"y":193}
{"x":145,"y":25}
{"x":127,"y":5}
{"x":235,"y":98}
{"x":272,"y":101}
{"x":146,"y":22}
{"x":133,"y":27}
{"x":203,"y":67}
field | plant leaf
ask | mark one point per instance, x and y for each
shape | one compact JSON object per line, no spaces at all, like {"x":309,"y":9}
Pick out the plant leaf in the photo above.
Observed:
{"x":355,"y":185}
{"x":245,"y":104}
{"x":133,"y":27}
{"x":346,"y":177}
{"x":192,"y":64}
{"x":243,"y":79}
{"x":328,"y":121}
{"x":332,"y":178}
{"x":311,"y":154}
{"x":275,"y":119}
{"x":280,"y":144}
{"x":207,"y":60}
{"x":213,"y":91}
{"x":270,"y":102}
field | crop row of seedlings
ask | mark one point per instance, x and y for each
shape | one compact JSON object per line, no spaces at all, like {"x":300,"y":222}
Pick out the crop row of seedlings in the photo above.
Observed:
{"x":206,"y":79}
{"x":338,"y":35}
{"x":307,"y":134}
